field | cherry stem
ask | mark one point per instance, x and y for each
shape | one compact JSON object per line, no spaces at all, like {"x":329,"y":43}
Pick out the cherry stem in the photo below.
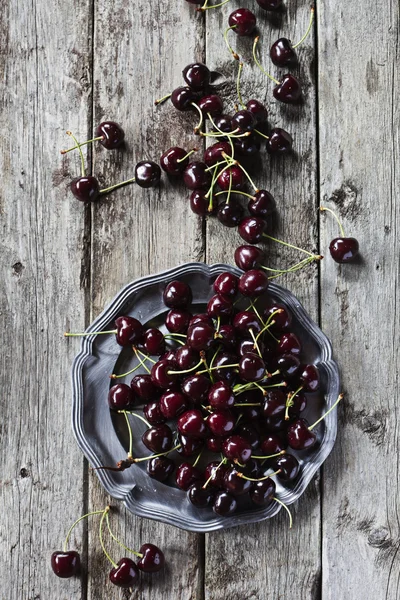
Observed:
{"x":129,"y":412}
{"x":255,"y":343}
{"x":307,"y":30}
{"x":234,"y":54}
{"x":130,"y":434}
{"x":89,"y":514}
{"x":186,"y":155}
{"x":114,"y":537}
{"x":222,"y":133}
{"x":253,"y":306}
{"x":297,"y":267}
{"x":67,"y":334}
{"x":269,"y":455}
{"x":340,"y":397}
{"x":217,"y":164}
{"x":258,"y":63}
{"x":262,"y":134}
{"x":289,"y":401}
{"x":239,"y":95}
{"x":198,"y":458}
{"x":96,"y":139}
{"x":214,"y":368}
{"x":114,"y":564}
{"x":142,"y":361}
{"x":236,"y":192}
{"x":83,"y":172}
{"x":270,"y":321}
{"x":269,"y":237}
{"x":146,"y":356}
{"x":117,"y":185}
{"x":287,"y":510}
{"x":260,"y":478}
{"x":163,"y":99}
{"x":213,"y":471}
{"x":323,"y":208}
{"x":141,"y":364}
{"x":247,"y":175}
{"x":201,"y":119}
{"x":205,"y":7}
{"x":234,"y":134}
{"x":215,"y":176}
{"x":201,"y":362}
{"x":136,"y":460}
{"x":230,"y":188}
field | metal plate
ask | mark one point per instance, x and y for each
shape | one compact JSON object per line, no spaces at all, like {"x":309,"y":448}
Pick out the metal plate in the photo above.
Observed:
{"x":102,"y":436}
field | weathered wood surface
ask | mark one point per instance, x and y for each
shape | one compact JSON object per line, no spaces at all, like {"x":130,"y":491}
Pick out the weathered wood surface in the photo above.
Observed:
{"x":70,"y":65}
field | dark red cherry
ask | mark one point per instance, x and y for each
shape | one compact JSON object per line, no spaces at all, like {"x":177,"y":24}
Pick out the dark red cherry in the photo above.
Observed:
{"x":244,"y":120}
{"x":236,"y":485}
{"x":288,"y":91}
{"x":262,"y":205}
{"x":220,"y":396}
{"x":158,"y":438}
{"x":152,"y":560}
{"x":197,"y":76}
{"x":226,"y":284}
{"x":177,"y":320}
{"x":153,"y":341}
{"x":143,"y":387}
{"x":298,"y":404}
{"x":174,"y":161}
{"x":211,"y":104}
{"x":236,"y":448}
{"x":200,"y":336}
{"x":288,"y":465}
{"x":177,"y":294}
{"x":214,"y":472}
{"x":258,"y":111}
{"x":247,"y":346}
{"x":201,"y":318}
{"x":153,"y":413}
{"x":147,"y":174}
{"x":251,"y":229}
{"x":263,"y":492}
{"x":65,"y":564}
{"x":201,"y":205}
{"x":224,"y":124}
{"x":247,"y":146}
{"x":274,"y":424}
{"x":280,"y":141}
{"x":214,"y":444}
{"x":289,"y":343}
{"x":222,"y":373}
{"x":251,"y":367}
{"x":186,"y":474}
{"x":121,"y":397}
{"x":221,"y":422}
{"x":227,"y":336}
{"x":309,"y":378}
{"x":243,"y":21}
{"x":113,"y":135}
{"x":283,"y":319}
{"x":230,"y":214}
{"x":182,"y":98}
{"x":169,"y":357}
{"x":282,"y":53}
{"x":213,"y":154}
{"x":199,"y":497}
{"x":224,"y":504}
{"x":186,"y":358}
{"x":250,"y":433}
{"x":196,"y":388}
{"x":126,"y":574}
{"x":269,"y":4}
{"x":253,"y":283}
{"x":249,"y":257}
{"x":161,"y":374}
{"x":85,"y":188}
{"x":173,"y":404}
{"x":343,"y":250}
{"x":160,"y":468}
{"x":232,"y":178}
{"x":192,"y":424}
{"x":219,"y":307}
{"x":129,"y":331}
{"x":189,"y":445}
{"x":196,"y":176}
{"x":288,"y":365}
{"x":244,"y":322}
{"x":299,"y":436}
{"x":272,"y":444}
{"x":274,"y":404}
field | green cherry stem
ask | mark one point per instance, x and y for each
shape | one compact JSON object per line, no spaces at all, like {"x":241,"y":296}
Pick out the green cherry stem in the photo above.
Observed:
{"x":262,"y":134}
{"x":197,"y":459}
{"x":163,"y":99}
{"x":83,"y":171}
{"x":239,"y":95}
{"x":213,"y":471}
{"x":205,"y":7}
{"x":145,"y":356}
{"x":201,"y":118}
{"x":255,"y":343}
{"x":136,"y":460}
{"x":242,"y":476}
{"x":307,"y":30}
{"x":187,"y":155}
{"x":130,"y":433}
{"x":130,"y":412}
{"x":236,"y":192}
{"x":258,"y":62}
{"x":340,"y":397}
{"x":114,"y":537}
{"x":222,"y":133}
{"x":201,"y":362}
{"x":323,"y":208}
{"x":289,"y":401}
{"x":270,"y":321}
{"x":89,"y":514}
{"x":96,"y":139}
{"x":117,"y":185}
{"x":234,"y":54}
{"x":287,"y":510}
{"x":141,"y":364}
{"x":114,"y":564}
{"x":269,"y":237}
{"x":269,"y":455}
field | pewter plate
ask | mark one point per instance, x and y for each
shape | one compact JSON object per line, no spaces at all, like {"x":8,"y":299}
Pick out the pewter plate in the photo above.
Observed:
{"x":102,"y":435}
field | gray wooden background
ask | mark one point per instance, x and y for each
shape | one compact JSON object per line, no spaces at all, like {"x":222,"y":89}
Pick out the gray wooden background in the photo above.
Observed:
{"x":68,"y":64}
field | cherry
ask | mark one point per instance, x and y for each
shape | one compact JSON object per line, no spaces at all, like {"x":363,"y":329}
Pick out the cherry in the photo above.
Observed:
{"x":251,"y":229}
{"x":121,"y":397}
{"x":182,"y":98}
{"x":253,"y":283}
{"x":85,"y":188}
{"x":237,"y":448}
{"x":226,"y":284}
{"x":244,"y":120}
{"x":147,"y":174}
{"x":186,"y":474}
{"x":344,"y":250}
{"x":232,"y":178}
{"x":244,"y":322}
{"x":230,"y":214}
{"x":143,"y":386}
{"x":263,"y":492}
{"x":309,"y":378}
{"x":196,"y":387}
{"x":242,"y":21}
{"x":200,"y":497}
{"x":152,"y":559}
{"x":288,"y":365}
{"x":201,"y":205}
{"x":258,"y":111}
{"x":227,"y":336}
{"x":186,"y":357}
{"x":280,"y":141}
{"x":220,"y":396}
{"x":269,"y":4}
{"x":289,"y":343}
{"x":282,"y":53}
{"x":262,"y":205}
{"x":249,"y":257}
{"x":288,"y":90}
{"x":221,"y":422}
{"x":158,"y":438}
{"x":173,"y":404}
{"x":160,"y":468}
{"x":250,"y":434}
{"x":153,"y":341}
{"x":248,"y":346}
{"x":288,"y":465}
{"x":65,"y":563}
{"x":111,"y":133}
{"x":221,"y":373}
{"x":298,"y":404}
{"x":224,"y":504}
{"x":153,"y":413}
{"x":214,"y":444}
{"x":214,"y":474}
{"x":125,"y":574}
{"x":299,"y":435}
{"x":197,"y":76}
{"x":200,"y":336}
{"x":129,"y":331}
{"x":211,"y":104}
{"x":177,"y":294}
{"x":196,"y":176}
{"x":189,"y":445}
{"x":236,"y":485}
{"x":174,"y":161}
{"x":272,"y":444}
{"x":282,"y":320}
{"x":213,"y":154}
{"x":219,"y":307}
{"x":177,"y":321}
{"x":224,"y":124}
{"x":274,"y":424}
{"x":161,"y":374}
{"x":247,"y":146}
{"x":274,"y":404}
{"x":251,"y":367}
{"x":191,"y":424}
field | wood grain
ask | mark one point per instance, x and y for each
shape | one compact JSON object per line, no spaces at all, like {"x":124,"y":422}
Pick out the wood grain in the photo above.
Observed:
{"x":359,"y":160}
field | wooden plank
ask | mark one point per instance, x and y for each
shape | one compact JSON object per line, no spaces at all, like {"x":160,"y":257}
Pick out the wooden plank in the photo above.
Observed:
{"x":44,"y":89}
{"x":138,"y":57}
{"x":359,"y":150}
{"x":268,"y":560}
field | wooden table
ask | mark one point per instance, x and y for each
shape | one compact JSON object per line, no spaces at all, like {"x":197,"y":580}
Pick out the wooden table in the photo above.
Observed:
{"x":69,"y":65}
